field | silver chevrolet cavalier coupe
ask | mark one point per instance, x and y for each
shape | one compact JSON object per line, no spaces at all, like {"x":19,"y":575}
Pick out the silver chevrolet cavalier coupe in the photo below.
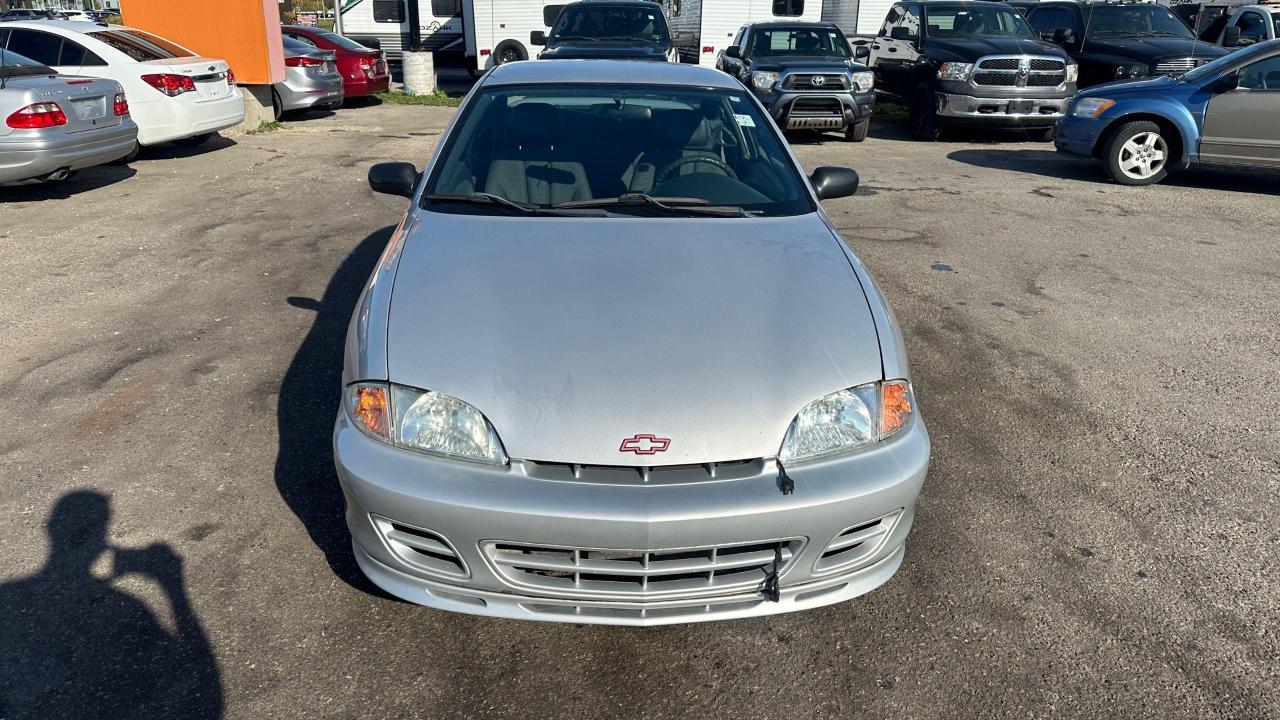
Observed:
{"x":617,"y":366}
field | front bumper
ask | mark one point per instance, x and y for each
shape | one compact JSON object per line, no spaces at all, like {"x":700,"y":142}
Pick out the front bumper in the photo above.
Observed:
{"x":469,"y":512}
{"x":808,"y":110}
{"x":1015,"y":111}
{"x":35,"y":159}
{"x":1078,"y":135}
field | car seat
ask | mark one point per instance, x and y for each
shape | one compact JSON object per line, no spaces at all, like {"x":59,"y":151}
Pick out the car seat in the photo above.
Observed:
{"x":678,"y":134}
{"x":533,"y":168}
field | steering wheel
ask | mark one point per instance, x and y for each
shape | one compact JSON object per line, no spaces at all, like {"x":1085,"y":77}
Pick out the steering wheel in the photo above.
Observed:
{"x":678,"y":163}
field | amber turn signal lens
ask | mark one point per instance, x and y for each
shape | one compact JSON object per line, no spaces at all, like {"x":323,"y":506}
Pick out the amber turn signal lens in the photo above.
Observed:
{"x":895,"y":408}
{"x":372,"y":410}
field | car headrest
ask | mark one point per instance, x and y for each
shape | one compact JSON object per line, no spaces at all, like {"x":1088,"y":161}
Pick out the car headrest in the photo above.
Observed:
{"x":682,"y":128}
{"x":1272,"y":82}
{"x":536,"y":124}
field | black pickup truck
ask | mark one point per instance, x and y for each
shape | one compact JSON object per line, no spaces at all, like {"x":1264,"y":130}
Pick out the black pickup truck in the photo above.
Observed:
{"x":974,"y":63}
{"x":805,"y":74}
{"x":606,"y":29}
{"x":1121,"y":40}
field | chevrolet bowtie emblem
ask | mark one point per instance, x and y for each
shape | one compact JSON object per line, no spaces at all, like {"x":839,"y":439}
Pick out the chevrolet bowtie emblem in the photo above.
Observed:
{"x":644,"y":445}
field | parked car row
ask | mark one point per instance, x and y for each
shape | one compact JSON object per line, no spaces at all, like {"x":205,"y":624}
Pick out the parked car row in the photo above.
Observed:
{"x":323,"y":69}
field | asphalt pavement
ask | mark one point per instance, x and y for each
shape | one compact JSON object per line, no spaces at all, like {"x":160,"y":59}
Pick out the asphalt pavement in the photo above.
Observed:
{"x":1099,"y":535}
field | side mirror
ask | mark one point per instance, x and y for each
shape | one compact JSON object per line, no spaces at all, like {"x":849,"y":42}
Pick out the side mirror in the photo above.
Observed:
{"x":395,"y":178}
{"x":861,"y":52}
{"x":733,"y":51}
{"x":1231,"y":36}
{"x":904,"y":34}
{"x":1228,"y":82}
{"x":537,"y":37}
{"x":834,"y":182}
{"x":1064,"y":36}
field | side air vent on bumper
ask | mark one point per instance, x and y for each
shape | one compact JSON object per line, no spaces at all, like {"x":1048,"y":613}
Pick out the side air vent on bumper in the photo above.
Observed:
{"x":420,"y":548}
{"x":857,"y":544}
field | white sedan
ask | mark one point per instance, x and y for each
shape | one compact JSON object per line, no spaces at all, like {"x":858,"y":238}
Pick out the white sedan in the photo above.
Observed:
{"x":174,"y":94}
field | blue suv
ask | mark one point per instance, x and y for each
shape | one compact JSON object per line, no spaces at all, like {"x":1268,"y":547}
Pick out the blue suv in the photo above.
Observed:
{"x":1225,"y":113}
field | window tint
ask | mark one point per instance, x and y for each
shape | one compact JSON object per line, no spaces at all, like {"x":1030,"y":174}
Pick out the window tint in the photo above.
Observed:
{"x":1251,"y":26}
{"x":788,"y":8}
{"x":1262,"y":75}
{"x":903,"y":16}
{"x":141,"y":46}
{"x":582,"y":20}
{"x":950,"y":21}
{"x":1050,"y":19}
{"x":301,"y":39}
{"x":446,"y":8}
{"x":344,"y":43}
{"x":15,"y":65}
{"x":550,"y":144}
{"x":1133,"y":20}
{"x":39,"y":46}
{"x":806,"y":42}
{"x":73,"y":53}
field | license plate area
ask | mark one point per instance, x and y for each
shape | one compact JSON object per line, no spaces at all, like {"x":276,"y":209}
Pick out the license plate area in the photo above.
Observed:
{"x":1021,"y":107}
{"x":90,"y":108}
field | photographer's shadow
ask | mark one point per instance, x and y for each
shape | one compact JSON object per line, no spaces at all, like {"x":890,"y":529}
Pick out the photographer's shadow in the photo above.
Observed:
{"x":72,"y":645}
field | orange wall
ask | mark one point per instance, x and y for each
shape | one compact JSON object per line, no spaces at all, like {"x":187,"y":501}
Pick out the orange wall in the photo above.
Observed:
{"x":245,"y":33}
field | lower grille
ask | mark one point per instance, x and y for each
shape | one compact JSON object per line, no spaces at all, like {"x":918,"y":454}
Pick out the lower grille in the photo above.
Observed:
{"x":655,"y":475}
{"x":420,"y":548}
{"x":856,"y":544}
{"x":640,"y":574}
{"x":817,"y":106}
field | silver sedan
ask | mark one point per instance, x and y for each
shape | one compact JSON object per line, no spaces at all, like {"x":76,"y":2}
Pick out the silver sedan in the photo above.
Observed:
{"x":57,"y":124}
{"x":617,"y":366}
{"x":311,"y":79}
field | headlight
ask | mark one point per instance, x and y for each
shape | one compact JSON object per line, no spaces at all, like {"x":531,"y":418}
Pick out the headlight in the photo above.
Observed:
{"x":864,"y":81}
{"x":763,"y":80}
{"x":1130,"y":71}
{"x":848,"y":420}
{"x":955,"y":71}
{"x":1073,"y":73}
{"x":1092,"y":107}
{"x":425,"y":421}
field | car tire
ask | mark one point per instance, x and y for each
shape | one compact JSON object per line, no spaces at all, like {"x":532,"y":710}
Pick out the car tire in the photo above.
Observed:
{"x":193,"y":141}
{"x":1137,"y":154}
{"x":277,"y":106}
{"x":924,"y":115}
{"x":857,"y":132}
{"x":508,"y":51}
{"x":1040,"y":134}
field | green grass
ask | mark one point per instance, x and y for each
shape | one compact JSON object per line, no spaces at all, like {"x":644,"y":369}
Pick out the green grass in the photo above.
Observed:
{"x":268,"y":126}
{"x":437,"y":99}
{"x":889,"y":109}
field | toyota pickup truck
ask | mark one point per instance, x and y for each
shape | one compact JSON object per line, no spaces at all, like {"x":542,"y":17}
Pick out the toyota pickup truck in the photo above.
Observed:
{"x":974,"y":63}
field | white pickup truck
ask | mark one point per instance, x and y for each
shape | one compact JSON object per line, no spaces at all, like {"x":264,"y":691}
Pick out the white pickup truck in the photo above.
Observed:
{"x":1231,"y":24}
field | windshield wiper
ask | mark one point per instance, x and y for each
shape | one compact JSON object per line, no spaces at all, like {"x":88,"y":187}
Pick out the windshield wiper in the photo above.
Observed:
{"x":696,"y":206}
{"x":524,"y":208}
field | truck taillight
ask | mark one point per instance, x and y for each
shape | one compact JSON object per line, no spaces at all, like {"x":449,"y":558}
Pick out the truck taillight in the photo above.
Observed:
{"x":231,"y":77}
{"x":122,"y":105}
{"x":40,"y":115}
{"x":303,"y":62}
{"x":170,"y":84}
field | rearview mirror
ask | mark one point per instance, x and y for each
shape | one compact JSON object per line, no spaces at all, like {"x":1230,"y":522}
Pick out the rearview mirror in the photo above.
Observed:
{"x":537,"y":37}
{"x":834,"y":182}
{"x":1231,"y":36}
{"x":902,"y":33}
{"x":394,"y":178}
{"x":733,"y":51}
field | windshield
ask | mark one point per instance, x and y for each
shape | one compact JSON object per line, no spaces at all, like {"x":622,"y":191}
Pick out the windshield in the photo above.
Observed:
{"x":962,"y":21}
{"x":579,"y":22}
{"x":14,"y":65}
{"x":141,"y":46}
{"x":344,"y":43}
{"x":1128,"y":20}
{"x":806,"y":42}
{"x":547,"y":145}
{"x":1209,"y":70}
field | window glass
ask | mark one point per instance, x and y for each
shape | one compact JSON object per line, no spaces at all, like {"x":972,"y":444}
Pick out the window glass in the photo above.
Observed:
{"x":73,"y":54}
{"x":805,"y":42}
{"x":583,"y":21}
{"x":1262,"y":75}
{"x":951,"y":21}
{"x":301,"y":39}
{"x":445,"y":8}
{"x":344,"y":43}
{"x":141,"y":46}
{"x":788,"y":8}
{"x":903,"y":16}
{"x":15,"y":65}
{"x":39,"y":46}
{"x":1251,"y":26}
{"x":553,"y":144}
{"x":1050,"y":19}
{"x":1133,"y":20}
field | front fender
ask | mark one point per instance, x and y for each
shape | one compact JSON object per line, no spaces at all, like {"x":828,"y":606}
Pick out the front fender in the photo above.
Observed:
{"x":1175,"y":113}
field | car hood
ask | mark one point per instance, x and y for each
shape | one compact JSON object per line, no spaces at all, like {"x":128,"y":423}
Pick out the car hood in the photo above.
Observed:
{"x":813,"y":64}
{"x":970,"y":49}
{"x":605,"y":50}
{"x":1148,"y":49}
{"x":572,"y":334}
{"x":1117,"y":87}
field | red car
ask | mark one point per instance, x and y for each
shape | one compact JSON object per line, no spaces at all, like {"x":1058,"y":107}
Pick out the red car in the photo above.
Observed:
{"x":364,"y":70}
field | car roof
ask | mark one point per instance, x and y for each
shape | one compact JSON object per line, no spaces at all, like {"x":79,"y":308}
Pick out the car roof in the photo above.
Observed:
{"x":621,"y":72}
{"x":79,"y":26}
{"x":612,"y":2}
{"x":792,"y":23}
{"x":962,"y":2}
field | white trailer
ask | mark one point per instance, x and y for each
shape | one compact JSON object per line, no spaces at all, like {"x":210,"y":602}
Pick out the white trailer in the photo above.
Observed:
{"x":387,"y":23}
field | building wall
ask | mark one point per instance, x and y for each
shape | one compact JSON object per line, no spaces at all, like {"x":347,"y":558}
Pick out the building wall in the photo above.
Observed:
{"x":245,"y":33}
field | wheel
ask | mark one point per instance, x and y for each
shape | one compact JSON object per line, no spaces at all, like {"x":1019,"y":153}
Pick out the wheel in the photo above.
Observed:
{"x":508,"y":51}
{"x":924,"y":116}
{"x":133,"y":155}
{"x":1040,"y":134}
{"x":858,"y":131}
{"x":334,"y":105}
{"x":277,"y":106}
{"x":194,"y":140}
{"x":1137,"y":154}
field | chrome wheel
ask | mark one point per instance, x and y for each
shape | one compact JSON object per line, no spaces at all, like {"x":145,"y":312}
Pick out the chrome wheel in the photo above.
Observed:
{"x":1143,"y":156}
